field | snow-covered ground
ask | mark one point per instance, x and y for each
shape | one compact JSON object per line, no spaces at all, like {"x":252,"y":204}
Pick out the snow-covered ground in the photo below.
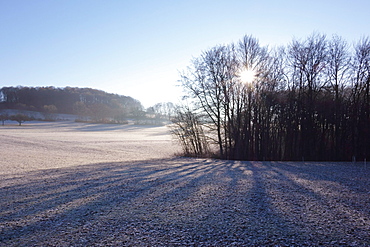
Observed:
{"x":44,"y":145}
{"x":74,"y":184}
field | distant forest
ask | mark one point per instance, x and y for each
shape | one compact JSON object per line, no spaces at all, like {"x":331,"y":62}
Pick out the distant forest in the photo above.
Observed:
{"x":87,"y":103}
{"x":309,"y":100}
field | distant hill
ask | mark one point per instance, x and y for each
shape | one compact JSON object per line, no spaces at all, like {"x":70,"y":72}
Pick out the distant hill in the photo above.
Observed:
{"x":85,"y":102}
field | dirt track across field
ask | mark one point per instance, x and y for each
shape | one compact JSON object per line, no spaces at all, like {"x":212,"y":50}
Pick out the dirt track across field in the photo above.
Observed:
{"x":68,"y":184}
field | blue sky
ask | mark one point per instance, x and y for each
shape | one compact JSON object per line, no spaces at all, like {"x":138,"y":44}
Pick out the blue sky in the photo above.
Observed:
{"x":137,"y":48}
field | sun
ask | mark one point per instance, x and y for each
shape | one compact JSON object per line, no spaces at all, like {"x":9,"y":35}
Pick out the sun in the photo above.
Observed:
{"x":247,"y":76}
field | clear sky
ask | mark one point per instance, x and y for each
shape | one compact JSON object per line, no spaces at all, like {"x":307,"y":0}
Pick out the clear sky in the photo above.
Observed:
{"x":137,"y":48}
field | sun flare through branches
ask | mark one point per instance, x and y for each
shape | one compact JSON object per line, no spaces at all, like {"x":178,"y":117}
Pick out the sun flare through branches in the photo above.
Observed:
{"x":247,"y":76}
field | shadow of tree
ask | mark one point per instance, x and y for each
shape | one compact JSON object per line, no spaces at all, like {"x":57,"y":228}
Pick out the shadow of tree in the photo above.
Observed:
{"x":183,"y":201}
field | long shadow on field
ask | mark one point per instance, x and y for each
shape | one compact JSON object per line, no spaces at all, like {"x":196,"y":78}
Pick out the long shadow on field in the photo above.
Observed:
{"x":183,"y":201}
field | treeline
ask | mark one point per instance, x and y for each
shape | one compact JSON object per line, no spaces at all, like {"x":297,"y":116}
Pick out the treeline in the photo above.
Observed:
{"x":88,"y":103}
{"x":308,"y":100}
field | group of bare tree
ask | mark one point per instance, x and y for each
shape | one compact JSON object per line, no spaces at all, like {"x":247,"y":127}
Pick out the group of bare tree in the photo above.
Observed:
{"x":19,"y":117}
{"x":308,"y":100}
{"x":162,"y":110}
{"x":88,"y":103}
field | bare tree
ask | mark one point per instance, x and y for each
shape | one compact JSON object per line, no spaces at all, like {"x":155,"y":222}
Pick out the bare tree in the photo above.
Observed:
{"x":164,"y":109}
{"x":307,"y":61}
{"x":3,"y":118}
{"x":338,"y":59}
{"x":187,"y":127}
{"x":49,"y":111}
{"x":360,"y":99}
{"x":204,"y":82}
{"x":20,"y":118}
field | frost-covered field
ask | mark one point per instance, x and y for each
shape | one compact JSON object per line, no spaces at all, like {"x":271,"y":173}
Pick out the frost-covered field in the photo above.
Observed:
{"x":69,"y":184}
{"x":44,"y":145}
